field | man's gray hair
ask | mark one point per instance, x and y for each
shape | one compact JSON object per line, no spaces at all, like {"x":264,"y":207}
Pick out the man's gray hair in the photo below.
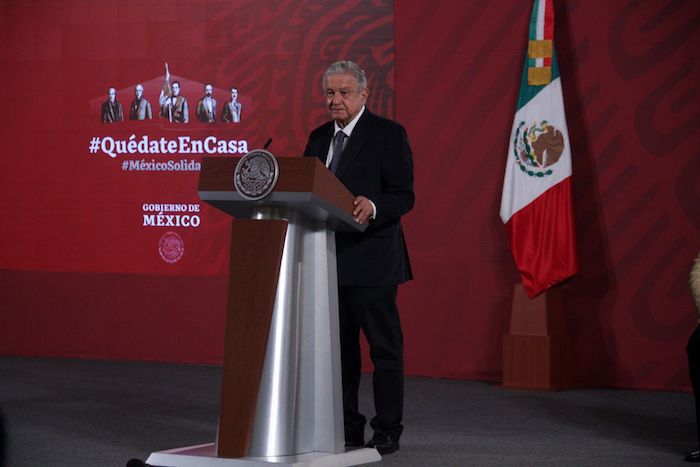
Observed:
{"x":346,"y":67}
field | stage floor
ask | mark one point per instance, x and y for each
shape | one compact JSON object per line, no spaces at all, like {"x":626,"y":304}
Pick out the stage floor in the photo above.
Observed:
{"x":60,"y":413}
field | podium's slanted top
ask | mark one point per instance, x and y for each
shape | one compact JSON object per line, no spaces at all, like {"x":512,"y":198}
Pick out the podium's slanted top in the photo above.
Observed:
{"x":304,"y":185}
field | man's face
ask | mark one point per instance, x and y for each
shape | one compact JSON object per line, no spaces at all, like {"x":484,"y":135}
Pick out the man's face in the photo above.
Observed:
{"x":112,"y":94}
{"x":207,"y":90}
{"x":234,"y":94}
{"x":176,"y":89}
{"x":343,"y":99}
{"x":139,"y":92}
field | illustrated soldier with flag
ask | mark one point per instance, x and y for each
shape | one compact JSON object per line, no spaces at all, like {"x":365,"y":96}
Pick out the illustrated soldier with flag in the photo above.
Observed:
{"x":173,"y":106}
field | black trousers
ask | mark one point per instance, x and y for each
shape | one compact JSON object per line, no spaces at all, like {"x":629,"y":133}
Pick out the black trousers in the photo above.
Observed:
{"x":372,"y":310}
{"x":693,"y":350}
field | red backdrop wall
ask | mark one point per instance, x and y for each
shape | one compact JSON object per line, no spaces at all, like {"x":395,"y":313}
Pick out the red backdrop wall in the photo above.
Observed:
{"x":629,"y":70}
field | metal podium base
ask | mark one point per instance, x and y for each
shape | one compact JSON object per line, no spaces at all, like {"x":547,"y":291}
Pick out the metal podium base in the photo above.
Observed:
{"x":204,"y":455}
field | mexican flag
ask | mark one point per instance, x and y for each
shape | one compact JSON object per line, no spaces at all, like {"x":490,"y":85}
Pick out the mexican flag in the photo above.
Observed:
{"x":536,"y":203}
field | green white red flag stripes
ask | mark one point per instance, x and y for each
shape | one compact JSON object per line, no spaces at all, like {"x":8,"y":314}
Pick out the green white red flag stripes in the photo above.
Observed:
{"x":536,"y":203}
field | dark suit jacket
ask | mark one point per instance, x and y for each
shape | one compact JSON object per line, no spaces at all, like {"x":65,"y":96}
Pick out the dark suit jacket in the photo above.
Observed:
{"x":376,"y":163}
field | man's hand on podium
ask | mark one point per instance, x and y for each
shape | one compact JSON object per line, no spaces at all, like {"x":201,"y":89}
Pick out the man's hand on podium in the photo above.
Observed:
{"x":363,"y":209}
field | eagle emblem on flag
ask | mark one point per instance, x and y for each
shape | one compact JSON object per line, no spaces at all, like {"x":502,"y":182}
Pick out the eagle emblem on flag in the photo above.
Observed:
{"x":537,"y":147}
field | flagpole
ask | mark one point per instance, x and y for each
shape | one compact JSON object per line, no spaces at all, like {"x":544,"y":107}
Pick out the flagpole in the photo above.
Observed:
{"x":537,"y":210}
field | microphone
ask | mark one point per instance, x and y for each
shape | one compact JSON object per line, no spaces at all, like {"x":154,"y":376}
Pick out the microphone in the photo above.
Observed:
{"x":269,"y":141}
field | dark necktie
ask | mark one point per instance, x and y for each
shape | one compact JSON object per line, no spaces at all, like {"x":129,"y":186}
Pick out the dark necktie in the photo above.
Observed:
{"x":337,"y":150}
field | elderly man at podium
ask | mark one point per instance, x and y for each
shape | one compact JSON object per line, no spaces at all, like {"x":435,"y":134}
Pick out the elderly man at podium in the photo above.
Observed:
{"x":371,"y":156}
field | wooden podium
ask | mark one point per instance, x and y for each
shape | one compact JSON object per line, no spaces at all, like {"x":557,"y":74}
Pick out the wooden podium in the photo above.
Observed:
{"x":281,"y":394}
